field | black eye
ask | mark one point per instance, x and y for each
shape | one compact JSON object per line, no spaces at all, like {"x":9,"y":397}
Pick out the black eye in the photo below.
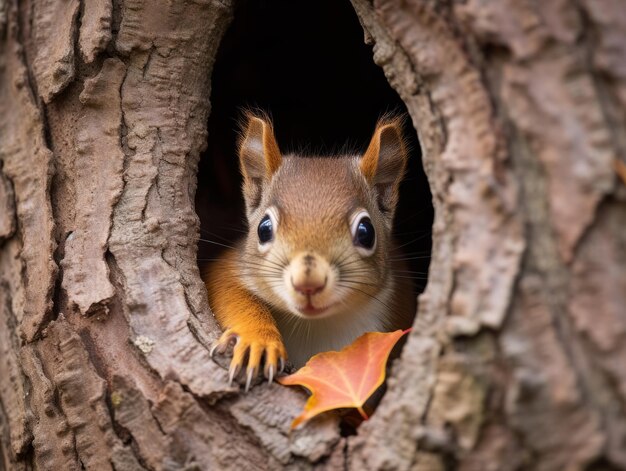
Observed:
{"x":365,"y":235}
{"x":266,"y":229}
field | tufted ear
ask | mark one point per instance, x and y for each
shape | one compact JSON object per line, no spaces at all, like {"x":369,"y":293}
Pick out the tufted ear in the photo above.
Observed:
{"x":384,"y":162}
{"x":259,"y":158}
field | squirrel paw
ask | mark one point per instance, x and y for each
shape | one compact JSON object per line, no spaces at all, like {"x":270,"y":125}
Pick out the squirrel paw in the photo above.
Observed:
{"x":252,"y":346}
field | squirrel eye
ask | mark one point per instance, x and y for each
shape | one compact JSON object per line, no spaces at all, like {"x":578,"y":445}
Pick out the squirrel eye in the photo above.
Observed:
{"x":265,"y":229}
{"x":365,"y":234}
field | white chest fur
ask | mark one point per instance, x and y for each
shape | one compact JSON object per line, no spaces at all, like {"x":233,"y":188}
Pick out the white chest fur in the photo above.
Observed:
{"x":304,"y":338}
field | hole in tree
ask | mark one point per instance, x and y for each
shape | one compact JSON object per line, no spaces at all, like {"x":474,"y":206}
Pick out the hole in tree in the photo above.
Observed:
{"x":307,"y":65}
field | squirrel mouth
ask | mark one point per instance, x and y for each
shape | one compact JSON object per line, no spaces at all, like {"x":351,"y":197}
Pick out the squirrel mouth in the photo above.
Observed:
{"x":311,"y":310}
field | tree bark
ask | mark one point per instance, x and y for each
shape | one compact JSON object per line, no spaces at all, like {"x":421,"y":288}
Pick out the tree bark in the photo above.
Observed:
{"x":517,"y":359}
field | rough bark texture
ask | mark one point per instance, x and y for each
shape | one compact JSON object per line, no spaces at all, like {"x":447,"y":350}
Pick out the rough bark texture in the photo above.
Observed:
{"x":517,"y":359}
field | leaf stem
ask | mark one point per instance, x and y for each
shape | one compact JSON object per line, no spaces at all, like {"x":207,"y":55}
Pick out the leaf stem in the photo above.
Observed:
{"x":362,"y":412}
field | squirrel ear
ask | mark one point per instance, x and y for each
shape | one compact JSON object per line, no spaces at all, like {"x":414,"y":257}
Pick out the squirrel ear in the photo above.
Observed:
{"x":384,"y":162}
{"x":259,"y":157}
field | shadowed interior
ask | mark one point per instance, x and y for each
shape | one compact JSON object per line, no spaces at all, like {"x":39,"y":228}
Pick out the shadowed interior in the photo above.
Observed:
{"x":306,"y":64}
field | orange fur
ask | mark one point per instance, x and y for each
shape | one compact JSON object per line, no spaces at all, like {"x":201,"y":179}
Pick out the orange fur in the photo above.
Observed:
{"x":270,"y":148}
{"x":387,"y":139}
{"x":369,"y":162}
{"x":242,"y":314}
{"x":260,"y":129}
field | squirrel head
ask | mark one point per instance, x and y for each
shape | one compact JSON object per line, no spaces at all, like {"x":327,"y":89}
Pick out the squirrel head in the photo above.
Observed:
{"x":319,"y":227}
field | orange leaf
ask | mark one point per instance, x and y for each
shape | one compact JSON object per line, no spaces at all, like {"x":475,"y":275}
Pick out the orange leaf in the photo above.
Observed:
{"x":346,"y":378}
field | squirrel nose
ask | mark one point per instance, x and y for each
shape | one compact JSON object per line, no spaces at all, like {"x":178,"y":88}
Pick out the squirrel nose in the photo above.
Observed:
{"x":309,"y":273}
{"x":309,"y":287}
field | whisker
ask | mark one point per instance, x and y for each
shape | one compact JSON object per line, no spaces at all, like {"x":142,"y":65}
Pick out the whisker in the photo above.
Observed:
{"x":408,"y":258}
{"x":213,"y":234}
{"x":411,"y":277}
{"x":409,"y":242}
{"x":373,"y":297}
{"x":277,"y":268}
{"x":237,"y":276}
{"x":216,"y":243}
{"x":228,"y":228}
{"x":407,"y":254}
{"x":358,"y":283}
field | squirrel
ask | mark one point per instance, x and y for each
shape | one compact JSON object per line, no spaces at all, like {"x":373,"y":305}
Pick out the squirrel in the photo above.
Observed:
{"x":315,"y":269}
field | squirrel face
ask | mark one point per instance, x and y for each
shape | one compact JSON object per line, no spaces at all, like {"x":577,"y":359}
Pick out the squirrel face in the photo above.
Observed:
{"x":319,"y":227}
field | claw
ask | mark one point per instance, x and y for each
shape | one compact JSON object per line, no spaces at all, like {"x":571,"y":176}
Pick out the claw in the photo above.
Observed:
{"x":234,"y":370}
{"x":251,"y":351}
{"x":212,"y":352}
{"x":250,"y":374}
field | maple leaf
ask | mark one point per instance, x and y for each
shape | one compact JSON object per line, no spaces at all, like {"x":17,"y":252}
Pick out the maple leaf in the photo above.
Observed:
{"x":347,"y":378}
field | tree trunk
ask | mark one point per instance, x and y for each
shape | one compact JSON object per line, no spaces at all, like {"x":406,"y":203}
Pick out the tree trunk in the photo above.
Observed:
{"x":518,"y":355}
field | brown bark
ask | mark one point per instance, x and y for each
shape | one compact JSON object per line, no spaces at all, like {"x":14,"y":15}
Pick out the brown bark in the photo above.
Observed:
{"x":517,"y":359}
